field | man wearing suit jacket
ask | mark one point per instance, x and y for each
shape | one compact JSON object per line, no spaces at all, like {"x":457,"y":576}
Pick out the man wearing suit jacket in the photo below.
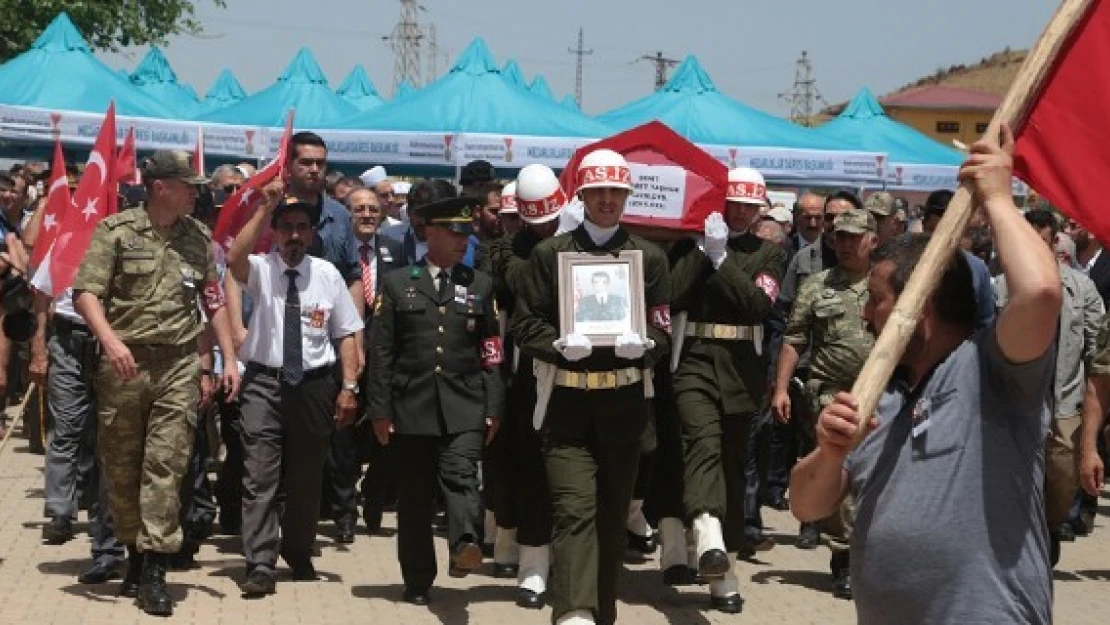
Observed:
{"x":435,"y":392}
{"x":602,"y":305}
{"x":411,"y":234}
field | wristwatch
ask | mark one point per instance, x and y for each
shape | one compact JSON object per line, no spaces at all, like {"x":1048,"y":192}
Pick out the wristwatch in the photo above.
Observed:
{"x":351,"y":386}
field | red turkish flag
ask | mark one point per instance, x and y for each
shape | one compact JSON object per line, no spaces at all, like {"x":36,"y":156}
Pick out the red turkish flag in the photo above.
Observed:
{"x":1061,"y":149}
{"x":58,"y":202}
{"x":94,"y":199}
{"x":198,"y":152}
{"x":241,"y":205}
{"x":126,"y":169}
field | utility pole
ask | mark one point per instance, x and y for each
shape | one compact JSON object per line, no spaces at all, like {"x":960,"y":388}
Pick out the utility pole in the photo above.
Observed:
{"x":405,"y":42}
{"x":580,"y":52}
{"x":433,"y":56}
{"x":803,"y":96}
{"x":661,"y":64}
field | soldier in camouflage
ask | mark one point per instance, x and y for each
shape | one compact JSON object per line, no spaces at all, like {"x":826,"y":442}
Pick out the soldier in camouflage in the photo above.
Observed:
{"x":827,"y":318}
{"x":145,"y":275}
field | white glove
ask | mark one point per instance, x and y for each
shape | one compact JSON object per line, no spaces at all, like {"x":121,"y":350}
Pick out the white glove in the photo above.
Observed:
{"x":631,"y":347}
{"x":574,"y":346}
{"x":716,"y":239}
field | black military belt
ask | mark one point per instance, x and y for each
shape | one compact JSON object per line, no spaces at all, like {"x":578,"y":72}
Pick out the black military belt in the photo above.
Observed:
{"x":598,"y":380}
{"x":66,"y":326}
{"x":724,"y":332}
{"x":276,"y":372}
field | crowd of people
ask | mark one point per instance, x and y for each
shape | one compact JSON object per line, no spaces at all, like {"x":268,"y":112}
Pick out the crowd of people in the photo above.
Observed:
{"x":405,"y":346}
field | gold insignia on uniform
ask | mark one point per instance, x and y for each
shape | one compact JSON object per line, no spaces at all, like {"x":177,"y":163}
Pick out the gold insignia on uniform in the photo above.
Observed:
{"x":495,"y":311}
{"x":378,"y":306}
{"x":465,"y":212}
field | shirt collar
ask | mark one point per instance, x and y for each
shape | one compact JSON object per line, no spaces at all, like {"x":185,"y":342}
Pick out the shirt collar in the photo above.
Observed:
{"x":1091,"y":263}
{"x":302,"y":267}
{"x":599,"y":235}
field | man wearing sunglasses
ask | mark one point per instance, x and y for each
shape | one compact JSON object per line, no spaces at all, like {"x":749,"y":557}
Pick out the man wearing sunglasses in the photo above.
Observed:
{"x":226,"y":178}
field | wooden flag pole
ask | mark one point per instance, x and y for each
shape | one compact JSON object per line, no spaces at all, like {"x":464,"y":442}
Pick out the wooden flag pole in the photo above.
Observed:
{"x":891,"y":343}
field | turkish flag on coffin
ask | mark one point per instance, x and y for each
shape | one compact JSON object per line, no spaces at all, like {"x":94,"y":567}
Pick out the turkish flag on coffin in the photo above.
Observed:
{"x":677,"y":183}
{"x":57,"y":204}
{"x":1062,"y":143}
{"x":94,"y":199}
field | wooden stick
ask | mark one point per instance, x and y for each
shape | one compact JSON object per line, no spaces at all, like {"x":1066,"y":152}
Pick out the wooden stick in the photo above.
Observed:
{"x":945,"y":241}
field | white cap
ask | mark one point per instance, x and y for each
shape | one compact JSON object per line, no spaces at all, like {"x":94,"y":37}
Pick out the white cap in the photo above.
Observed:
{"x":781,"y":214}
{"x":539,"y":196}
{"x":747,"y":186}
{"x":371,"y":177}
{"x":508,"y":199}
{"x":604,"y":168}
{"x":401,"y":187}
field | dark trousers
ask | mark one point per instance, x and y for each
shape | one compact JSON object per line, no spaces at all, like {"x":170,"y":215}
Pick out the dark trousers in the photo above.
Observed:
{"x":425,"y":463}
{"x":664,"y":499}
{"x":759,"y":440}
{"x":591,"y":472}
{"x":342,"y":467}
{"x":198,"y":504}
{"x":285,"y":434}
{"x":73,"y":476}
{"x":229,"y":486}
{"x":716,"y":449}
{"x":379,"y":483}
{"x":499,"y":480}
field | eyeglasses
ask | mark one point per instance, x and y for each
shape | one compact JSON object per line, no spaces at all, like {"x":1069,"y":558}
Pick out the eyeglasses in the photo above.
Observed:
{"x":288,"y":228}
{"x":231,"y":188}
{"x":811,"y":217}
{"x":368,"y":208}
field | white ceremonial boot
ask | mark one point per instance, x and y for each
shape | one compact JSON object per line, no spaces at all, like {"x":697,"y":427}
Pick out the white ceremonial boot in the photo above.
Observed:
{"x":724,"y":593}
{"x":506,"y":554}
{"x":712,"y":557}
{"x":576,"y":617}
{"x":675,"y":555}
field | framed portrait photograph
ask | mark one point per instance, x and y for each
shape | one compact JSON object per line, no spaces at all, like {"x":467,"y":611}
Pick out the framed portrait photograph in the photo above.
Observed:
{"x":602,"y":296}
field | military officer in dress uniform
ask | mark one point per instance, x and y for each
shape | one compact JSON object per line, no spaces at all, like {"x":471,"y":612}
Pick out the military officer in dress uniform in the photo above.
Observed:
{"x":435,"y":394}
{"x":598,"y":406}
{"x":144,"y":277}
{"x":827,"y":318}
{"x":727,"y":284}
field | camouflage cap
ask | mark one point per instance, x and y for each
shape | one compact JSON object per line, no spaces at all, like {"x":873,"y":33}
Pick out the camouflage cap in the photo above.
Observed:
{"x":880,"y":204}
{"x":167,"y":164}
{"x":855,"y":221}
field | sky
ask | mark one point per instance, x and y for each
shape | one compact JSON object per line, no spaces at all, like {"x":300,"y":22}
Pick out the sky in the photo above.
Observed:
{"x":748,"y":48}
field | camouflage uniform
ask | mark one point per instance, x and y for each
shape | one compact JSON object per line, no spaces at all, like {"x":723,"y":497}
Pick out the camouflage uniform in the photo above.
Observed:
{"x":827,"y":316}
{"x":148,"y":282}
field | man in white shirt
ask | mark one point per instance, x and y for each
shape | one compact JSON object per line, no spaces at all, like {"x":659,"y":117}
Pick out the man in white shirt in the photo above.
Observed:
{"x":291,"y":402}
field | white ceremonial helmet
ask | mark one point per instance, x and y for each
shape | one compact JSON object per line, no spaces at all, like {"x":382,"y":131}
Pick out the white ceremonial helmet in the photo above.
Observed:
{"x":604,"y":168}
{"x":539,"y":196}
{"x":508,"y":199}
{"x":746,"y":185}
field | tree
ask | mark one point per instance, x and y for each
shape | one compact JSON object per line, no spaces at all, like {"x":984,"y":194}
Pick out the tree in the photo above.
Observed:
{"x":106,"y":24}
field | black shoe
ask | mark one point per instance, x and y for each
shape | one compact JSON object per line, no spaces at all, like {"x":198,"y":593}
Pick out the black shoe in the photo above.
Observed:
{"x":642,"y":544}
{"x":487,"y":550}
{"x":842,"y":584}
{"x":372,"y":515}
{"x":345,"y":529}
{"x":505,"y":571}
{"x":231,"y":526}
{"x":680,"y":575}
{"x":153,"y":597}
{"x":528,"y":599}
{"x":1065,"y":533}
{"x":778,"y":502}
{"x":753,"y":544}
{"x":99,"y":573}
{"x":808,"y":537}
{"x":259,"y":583}
{"x":713,"y":564}
{"x":732,"y":604}
{"x":130,"y":586}
{"x":303,"y":570}
{"x":58,"y":531}
{"x":465,"y":557}
{"x":185,"y":558}
{"x":417,"y":596}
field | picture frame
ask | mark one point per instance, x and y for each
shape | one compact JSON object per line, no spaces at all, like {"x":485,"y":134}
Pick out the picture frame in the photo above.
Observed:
{"x":602,"y":295}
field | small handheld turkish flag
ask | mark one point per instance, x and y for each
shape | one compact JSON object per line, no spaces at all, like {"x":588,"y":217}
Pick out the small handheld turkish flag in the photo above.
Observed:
{"x":58,"y":202}
{"x":126,"y":169}
{"x":94,"y":199}
{"x":241,"y":205}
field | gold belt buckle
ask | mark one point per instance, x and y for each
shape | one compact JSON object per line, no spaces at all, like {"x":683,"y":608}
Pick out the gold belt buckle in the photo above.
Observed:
{"x":721,"y":331}
{"x":571,"y":378}
{"x":599,"y":380}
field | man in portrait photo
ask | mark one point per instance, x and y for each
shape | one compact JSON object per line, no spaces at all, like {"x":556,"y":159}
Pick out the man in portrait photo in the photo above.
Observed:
{"x":602,"y":305}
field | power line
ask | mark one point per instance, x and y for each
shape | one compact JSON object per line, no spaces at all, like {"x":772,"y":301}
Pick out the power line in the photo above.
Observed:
{"x":405,"y":42}
{"x":661,"y":64}
{"x":581,"y":52}
{"x":803,"y":96}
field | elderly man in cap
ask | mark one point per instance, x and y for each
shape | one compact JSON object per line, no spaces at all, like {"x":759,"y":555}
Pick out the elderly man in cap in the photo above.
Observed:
{"x":138,"y":291}
{"x":827,"y":318}
{"x":435,"y":393}
{"x":303,"y":321}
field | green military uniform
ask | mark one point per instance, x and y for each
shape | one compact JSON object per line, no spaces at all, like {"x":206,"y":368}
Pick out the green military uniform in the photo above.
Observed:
{"x":148,"y":280}
{"x":828,"y":318}
{"x":434,"y":374}
{"x":594,"y":423}
{"x":722,"y":373}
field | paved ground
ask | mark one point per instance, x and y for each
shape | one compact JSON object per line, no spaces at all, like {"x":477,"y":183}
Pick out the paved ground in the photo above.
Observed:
{"x":360,"y":584}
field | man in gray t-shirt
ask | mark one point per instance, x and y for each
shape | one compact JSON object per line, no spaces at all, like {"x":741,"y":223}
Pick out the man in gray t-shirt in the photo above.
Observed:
{"x":949,"y":480}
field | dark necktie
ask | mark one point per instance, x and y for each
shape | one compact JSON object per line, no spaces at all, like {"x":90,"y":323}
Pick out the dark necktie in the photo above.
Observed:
{"x":443,"y":284}
{"x":292,"y":366}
